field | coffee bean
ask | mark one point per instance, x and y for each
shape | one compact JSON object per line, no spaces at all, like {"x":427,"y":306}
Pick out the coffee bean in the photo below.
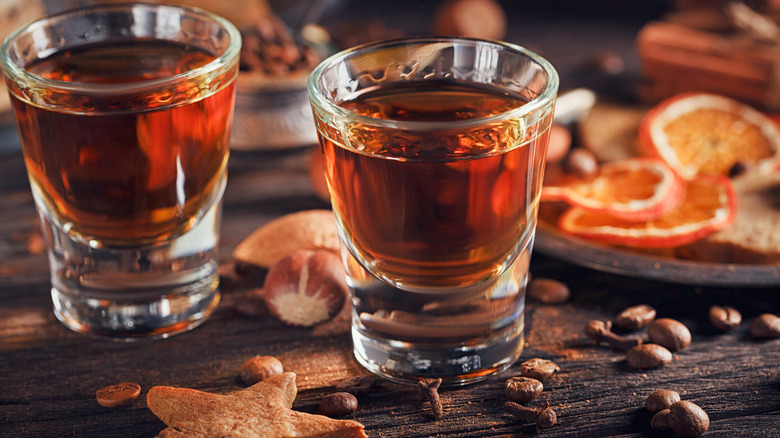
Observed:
{"x":548,"y":291}
{"x":539,"y":369}
{"x":522,"y":389}
{"x":648,"y":356}
{"x":582,"y":163}
{"x":669,"y":333}
{"x":661,"y":399}
{"x":766,"y":326}
{"x":635,"y":317}
{"x":357,"y":386}
{"x":725,"y":318}
{"x":660,"y":420}
{"x":259,"y":368}
{"x":688,"y":419}
{"x":118,"y":395}
{"x":338,"y":404}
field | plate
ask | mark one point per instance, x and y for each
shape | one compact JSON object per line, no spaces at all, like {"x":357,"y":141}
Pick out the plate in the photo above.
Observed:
{"x":614,"y":260}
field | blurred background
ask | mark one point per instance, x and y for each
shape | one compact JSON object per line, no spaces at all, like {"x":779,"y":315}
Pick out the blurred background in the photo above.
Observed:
{"x":592,"y":43}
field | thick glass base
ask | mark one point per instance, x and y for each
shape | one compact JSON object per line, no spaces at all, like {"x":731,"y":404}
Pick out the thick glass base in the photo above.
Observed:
{"x":461,"y":335}
{"x":135,"y":293}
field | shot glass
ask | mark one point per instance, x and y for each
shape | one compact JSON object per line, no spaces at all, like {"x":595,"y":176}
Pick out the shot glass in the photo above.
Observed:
{"x":124,"y":116}
{"x":434,"y":151}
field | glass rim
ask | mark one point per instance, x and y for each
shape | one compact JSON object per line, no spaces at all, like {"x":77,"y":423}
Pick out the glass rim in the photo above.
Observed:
{"x":542,"y":100}
{"x":15,"y":72}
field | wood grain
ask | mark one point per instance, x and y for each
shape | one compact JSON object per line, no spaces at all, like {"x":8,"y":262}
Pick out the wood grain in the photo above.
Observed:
{"x":49,"y":375}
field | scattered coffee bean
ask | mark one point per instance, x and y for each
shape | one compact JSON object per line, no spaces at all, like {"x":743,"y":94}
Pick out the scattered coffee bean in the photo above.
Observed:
{"x":648,"y":356}
{"x":338,"y":404}
{"x":766,"y":326}
{"x":688,"y":419}
{"x":660,"y":420}
{"x":357,"y":386}
{"x":669,"y":333}
{"x":635,"y":317}
{"x":661,"y":399}
{"x":543,"y":418}
{"x":600,"y":331}
{"x":259,"y":368}
{"x":539,"y":369}
{"x":522,"y":389}
{"x":548,"y":291}
{"x":429,"y":392}
{"x":582,"y":163}
{"x":118,"y":395}
{"x":725,"y":318}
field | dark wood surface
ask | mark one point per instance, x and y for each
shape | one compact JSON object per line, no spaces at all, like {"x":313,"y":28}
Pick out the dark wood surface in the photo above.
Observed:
{"x":49,"y":375}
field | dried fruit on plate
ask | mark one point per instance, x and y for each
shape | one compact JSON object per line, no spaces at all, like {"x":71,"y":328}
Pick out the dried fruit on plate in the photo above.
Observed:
{"x":634,"y":189}
{"x":710,"y":204}
{"x":707,"y":134}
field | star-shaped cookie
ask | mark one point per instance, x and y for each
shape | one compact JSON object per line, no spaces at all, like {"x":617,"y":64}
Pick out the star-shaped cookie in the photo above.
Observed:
{"x":262,"y":410}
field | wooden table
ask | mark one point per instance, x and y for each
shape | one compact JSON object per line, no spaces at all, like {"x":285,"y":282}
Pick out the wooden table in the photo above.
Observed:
{"x":49,"y":375}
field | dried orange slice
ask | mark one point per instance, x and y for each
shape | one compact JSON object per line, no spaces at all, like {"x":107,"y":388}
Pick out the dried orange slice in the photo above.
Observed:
{"x":633,"y":189}
{"x":701,"y":134}
{"x":710,"y":204}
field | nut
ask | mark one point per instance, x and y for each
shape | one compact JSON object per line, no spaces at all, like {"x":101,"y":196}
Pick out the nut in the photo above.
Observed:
{"x":522,"y":389}
{"x":470,"y":18}
{"x":688,"y":419}
{"x":581,"y":163}
{"x":635,"y":317}
{"x":119,"y":394}
{"x":661,"y":399}
{"x":259,"y":368}
{"x":669,"y":333}
{"x":338,"y":404}
{"x":306,"y":287}
{"x":548,"y":291}
{"x":559,"y":144}
{"x":307,"y":229}
{"x":648,"y":356}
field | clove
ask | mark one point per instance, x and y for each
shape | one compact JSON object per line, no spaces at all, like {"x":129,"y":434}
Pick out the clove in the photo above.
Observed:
{"x":544,"y":417}
{"x":601,"y":331}
{"x":429,"y":391}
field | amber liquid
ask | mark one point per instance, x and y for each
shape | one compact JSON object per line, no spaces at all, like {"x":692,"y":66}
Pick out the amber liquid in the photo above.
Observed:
{"x":435,"y":209}
{"x":126,"y":169}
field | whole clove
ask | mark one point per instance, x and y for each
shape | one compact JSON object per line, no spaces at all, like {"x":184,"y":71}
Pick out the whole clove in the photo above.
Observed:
{"x":601,"y":332}
{"x":429,"y":392}
{"x":543,"y":418}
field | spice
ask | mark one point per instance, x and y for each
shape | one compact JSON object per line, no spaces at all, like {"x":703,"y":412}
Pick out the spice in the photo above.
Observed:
{"x":522,"y":389}
{"x":600,"y":331}
{"x":669,"y":333}
{"x":544,"y":417}
{"x":338,"y":404}
{"x":429,"y":392}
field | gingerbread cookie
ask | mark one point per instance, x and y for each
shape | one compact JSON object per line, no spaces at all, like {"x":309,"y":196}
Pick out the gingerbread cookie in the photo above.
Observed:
{"x":262,"y":410}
